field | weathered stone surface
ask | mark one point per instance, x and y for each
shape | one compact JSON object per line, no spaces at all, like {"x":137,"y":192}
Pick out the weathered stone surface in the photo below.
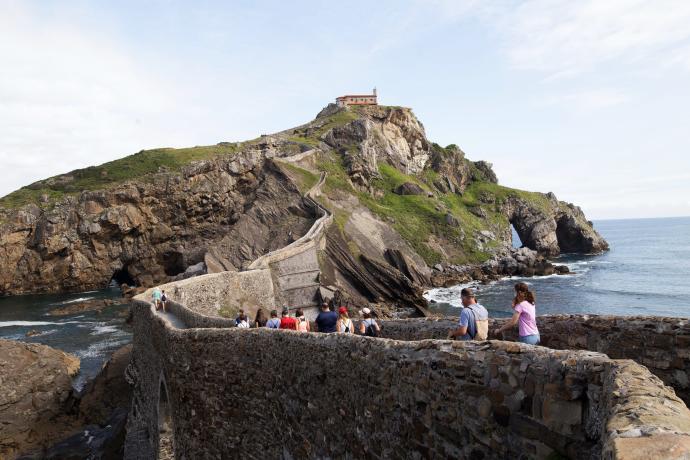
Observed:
{"x":35,"y":391}
{"x":384,"y":134}
{"x":431,"y":398}
{"x":409,"y":188}
{"x":557,"y":228}
{"x":150,"y":231}
{"x":654,"y":342}
{"x":89,"y":305}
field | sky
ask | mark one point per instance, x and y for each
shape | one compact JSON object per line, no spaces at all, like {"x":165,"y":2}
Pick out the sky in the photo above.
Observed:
{"x":587,"y":99}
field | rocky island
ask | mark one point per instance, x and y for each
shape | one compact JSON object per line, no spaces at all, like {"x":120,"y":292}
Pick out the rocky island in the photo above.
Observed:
{"x":407,"y":213}
{"x":357,"y":207}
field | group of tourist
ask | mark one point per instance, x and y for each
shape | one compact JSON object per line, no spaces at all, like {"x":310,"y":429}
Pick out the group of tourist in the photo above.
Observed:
{"x":327,"y":321}
{"x":472,"y":325}
{"x":474,"y":318}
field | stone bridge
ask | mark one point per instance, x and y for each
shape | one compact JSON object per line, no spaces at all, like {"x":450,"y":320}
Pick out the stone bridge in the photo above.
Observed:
{"x":204,"y":389}
{"x":225,"y":392}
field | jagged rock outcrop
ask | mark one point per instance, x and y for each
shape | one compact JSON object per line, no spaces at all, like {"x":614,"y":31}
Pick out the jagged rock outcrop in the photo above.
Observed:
{"x":374,"y":280}
{"x":510,"y":262}
{"x":552,"y":229}
{"x":149,"y":231}
{"x":35,"y":393}
{"x":382,"y":134}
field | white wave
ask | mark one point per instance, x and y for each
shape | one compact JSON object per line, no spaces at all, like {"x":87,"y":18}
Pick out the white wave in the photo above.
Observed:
{"x":449,"y":295}
{"x":101,"y":348}
{"x":80,"y":299}
{"x":542,"y":277}
{"x":32,"y":323}
{"x":98,"y":330}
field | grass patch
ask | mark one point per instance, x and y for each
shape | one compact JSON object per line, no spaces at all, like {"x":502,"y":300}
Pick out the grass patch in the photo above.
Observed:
{"x":310,"y":141}
{"x":114,"y":172}
{"x":479,"y":193}
{"x":305,"y":179}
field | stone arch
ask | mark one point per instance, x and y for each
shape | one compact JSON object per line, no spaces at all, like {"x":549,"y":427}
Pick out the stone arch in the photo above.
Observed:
{"x":165,"y":433}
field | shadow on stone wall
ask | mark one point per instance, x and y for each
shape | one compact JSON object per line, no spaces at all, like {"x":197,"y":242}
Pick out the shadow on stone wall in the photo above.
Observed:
{"x":270,"y":394}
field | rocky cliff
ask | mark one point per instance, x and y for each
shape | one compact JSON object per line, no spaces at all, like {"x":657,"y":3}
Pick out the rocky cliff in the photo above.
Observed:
{"x":401,"y":204}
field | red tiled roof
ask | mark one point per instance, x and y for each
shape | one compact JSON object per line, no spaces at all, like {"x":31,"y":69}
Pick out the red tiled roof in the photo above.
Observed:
{"x":356,"y":95}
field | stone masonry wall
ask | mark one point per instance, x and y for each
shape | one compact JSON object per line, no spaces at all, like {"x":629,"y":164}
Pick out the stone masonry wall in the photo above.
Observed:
{"x":226,"y":291}
{"x":660,"y":344}
{"x":270,"y":394}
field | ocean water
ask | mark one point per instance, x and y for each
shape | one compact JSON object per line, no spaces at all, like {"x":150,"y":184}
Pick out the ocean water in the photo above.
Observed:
{"x":92,"y":336}
{"x":646,"y":272}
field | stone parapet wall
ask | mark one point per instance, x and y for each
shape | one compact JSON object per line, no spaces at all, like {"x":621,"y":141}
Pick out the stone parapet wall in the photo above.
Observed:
{"x":644,"y":418}
{"x":221,"y":293}
{"x":284,"y":394}
{"x":192,"y":319}
{"x":660,"y":344}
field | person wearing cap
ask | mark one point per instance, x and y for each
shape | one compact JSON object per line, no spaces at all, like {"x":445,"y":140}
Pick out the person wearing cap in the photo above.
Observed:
{"x":344,"y":323}
{"x":368,"y":326}
{"x":287,"y":322}
{"x":474,"y":319}
{"x":327,"y":320}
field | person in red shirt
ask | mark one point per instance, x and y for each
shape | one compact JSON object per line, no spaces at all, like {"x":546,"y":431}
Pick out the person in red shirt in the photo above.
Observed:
{"x":287,"y":322}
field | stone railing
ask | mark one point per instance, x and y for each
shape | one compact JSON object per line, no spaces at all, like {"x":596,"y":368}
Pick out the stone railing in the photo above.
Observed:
{"x":307,"y":240}
{"x":660,"y":344}
{"x":284,"y":394}
{"x":193,"y":319}
{"x":221,"y":292}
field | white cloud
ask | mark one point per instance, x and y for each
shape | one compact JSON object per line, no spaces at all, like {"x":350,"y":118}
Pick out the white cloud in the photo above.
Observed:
{"x":67,"y":97}
{"x":571,"y":37}
{"x":588,"y":100}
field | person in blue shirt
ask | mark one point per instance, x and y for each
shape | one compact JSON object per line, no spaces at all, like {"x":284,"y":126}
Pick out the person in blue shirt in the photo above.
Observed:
{"x":326,"y":320}
{"x":274,"y":322}
{"x":474,"y":319}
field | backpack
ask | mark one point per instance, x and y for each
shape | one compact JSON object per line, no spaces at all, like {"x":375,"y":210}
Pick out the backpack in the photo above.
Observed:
{"x":371,"y":330}
{"x":481,"y":326}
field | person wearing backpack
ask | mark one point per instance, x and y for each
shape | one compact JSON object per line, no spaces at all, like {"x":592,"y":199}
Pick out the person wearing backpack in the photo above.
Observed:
{"x":344,"y":322}
{"x":368,"y":325}
{"x":274,"y":322}
{"x":474,"y":319}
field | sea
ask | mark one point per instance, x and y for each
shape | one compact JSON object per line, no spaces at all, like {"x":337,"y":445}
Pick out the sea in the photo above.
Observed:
{"x":91,"y":335}
{"x":646,"y":272}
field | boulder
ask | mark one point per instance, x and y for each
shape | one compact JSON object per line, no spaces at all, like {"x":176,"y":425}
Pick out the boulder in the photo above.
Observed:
{"x":409,"y":188}
{"x":100,"y":442}
{"x":35,"y":393}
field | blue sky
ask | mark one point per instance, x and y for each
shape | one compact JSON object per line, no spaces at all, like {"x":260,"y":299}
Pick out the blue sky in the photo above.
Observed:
{"x":588,"y":99}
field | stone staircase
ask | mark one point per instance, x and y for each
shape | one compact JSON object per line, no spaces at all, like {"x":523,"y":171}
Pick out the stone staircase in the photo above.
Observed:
{"x":295,"y":268}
